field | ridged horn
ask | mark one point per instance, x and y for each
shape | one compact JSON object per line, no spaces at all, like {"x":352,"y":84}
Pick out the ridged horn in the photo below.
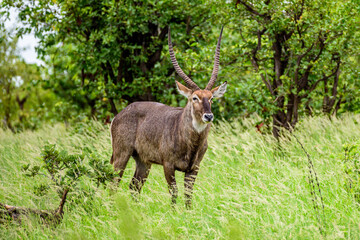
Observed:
{"x":216,"y":64}
{"x":181,"y":73}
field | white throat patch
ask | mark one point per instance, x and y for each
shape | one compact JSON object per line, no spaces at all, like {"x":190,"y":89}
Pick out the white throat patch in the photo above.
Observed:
{"x":199,"y":127}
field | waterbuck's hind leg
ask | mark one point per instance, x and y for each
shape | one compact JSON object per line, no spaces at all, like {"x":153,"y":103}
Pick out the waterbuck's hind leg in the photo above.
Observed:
{"x":140,"y":176}
{"x":120,"y":159}
{"x":123,"y":136}
{"x":169,"y":171}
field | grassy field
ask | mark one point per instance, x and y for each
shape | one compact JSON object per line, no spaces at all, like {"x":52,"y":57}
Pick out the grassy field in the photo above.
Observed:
{"x":247,"y":187}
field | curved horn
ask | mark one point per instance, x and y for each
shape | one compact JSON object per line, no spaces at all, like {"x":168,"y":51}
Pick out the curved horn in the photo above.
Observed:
{"x":181,"y":73}
{"x":216,"y":64}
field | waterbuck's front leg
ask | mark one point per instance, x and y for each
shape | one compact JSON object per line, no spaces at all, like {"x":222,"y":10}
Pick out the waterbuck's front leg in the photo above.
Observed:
{"x":169,"y":171}
{"x":190,"y":176}
{"x":189,"y":184}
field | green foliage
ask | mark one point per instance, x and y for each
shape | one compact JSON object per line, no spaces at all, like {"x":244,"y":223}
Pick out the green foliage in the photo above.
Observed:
{"x":102,"y":171}
{"x":65,"y":171}
{"x":245,"y":187}
{"x":41,"y":190}
{"x":282,"y":59}
{"x":113,"y":52}
{"x":301,"y":53}
{"x":24,"y":103}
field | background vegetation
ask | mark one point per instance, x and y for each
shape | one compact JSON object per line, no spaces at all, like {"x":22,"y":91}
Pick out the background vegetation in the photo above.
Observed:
{"x":282,"y":59}
{"x":289,"y":64}
{"x":245,"y":188}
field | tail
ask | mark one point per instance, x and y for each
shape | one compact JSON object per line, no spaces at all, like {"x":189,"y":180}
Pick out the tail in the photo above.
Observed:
{"x":112,"y":156}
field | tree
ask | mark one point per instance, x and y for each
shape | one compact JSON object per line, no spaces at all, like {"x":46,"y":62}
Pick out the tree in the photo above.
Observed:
{"x":16,"y":77}
{"x":23,"y":101}
{"x":9,"y":68}
{"x":295,"y":47}
{"x":111,"y":51}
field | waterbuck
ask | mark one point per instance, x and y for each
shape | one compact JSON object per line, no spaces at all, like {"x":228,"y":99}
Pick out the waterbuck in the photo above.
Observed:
{"x":174,"y":137}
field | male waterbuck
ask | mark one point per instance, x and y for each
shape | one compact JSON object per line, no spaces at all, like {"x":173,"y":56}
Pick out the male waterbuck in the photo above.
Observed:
{"x":174,"y":137}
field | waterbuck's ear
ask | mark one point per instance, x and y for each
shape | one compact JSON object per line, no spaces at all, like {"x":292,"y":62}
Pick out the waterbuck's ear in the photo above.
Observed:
{"x":219,"y":90}
{"x":183,"y":90}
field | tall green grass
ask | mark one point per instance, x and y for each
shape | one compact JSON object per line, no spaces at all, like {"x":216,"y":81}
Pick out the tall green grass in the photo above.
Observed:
{"x":249,"y":186}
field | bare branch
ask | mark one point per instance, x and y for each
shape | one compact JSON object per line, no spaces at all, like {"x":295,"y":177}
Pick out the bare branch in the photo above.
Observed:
{"x":312,"y":88}
{"x":298,"y":62}
{"x":252,"y":10}
{"x":255,"y":60}
{"x":322,"y":46}
{"x":298,"y":16}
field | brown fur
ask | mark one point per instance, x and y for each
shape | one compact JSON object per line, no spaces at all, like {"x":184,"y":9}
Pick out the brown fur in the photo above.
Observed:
{"x":152,"y":132}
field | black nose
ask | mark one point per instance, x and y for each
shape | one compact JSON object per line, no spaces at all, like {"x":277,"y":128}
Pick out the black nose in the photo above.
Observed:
{"x":208,"y":117}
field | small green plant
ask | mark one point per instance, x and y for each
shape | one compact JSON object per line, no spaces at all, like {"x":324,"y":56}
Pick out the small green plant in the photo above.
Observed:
{"x":64,"y":171}
{"x":41,"y":190}
{"x":102,"y":172}
{"x":352,"y":168}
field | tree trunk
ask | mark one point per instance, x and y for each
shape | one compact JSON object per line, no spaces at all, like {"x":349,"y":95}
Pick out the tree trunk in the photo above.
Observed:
{"x":286,"y":119}
{"x":21,"y":103}
{"x":113,"y":107}
{"x":329,"y":102}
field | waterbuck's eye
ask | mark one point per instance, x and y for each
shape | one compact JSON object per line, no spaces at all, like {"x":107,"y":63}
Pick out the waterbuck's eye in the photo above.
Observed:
{"x":195,"y":99}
